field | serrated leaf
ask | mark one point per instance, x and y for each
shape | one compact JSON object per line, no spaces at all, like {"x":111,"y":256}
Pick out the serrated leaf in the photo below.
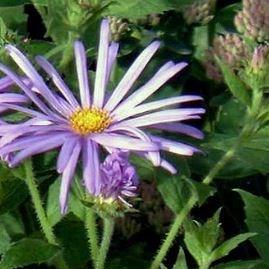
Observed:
{"x":236,"y":86}
{"x":257,"y":220}
{"x":5,"y":239}
{"x":230,"y":244}
{"x":13,"y":192}
{"x":26,"y":252}
{"x":238,"y":265}
{"x":135,"y":9}
{"x":204,"y":191}
{"x":73,"y":237}
{"x":201,"y":239}
{"x":13,"y":225}
{"x":181,"y":261}
{"x":176,"y":190}
{"x":53,"y":206}
{"x":14,"y":17}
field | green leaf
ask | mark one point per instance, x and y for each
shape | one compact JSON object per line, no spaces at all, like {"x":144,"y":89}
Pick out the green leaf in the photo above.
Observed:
{"x":13,"y":191}
{"x":14,"y":18}
{"x":13,"y":225}
{"x":26,"y":252}
{"x":53,"y":207}
{"x":5,"y":239}
{"x":8,"y":3}
{"x":257,"y":220}
{"x":238,"y":265}
{"x":225,"y":248}
{"x":237,"y":87}
{"x":176,"y":190}
{"x":144,"y":168}
{"x":204,"y":191}
{"x":134,"y":9}
{"x":72,"y":235}
{"x":181,"y":261}
{"x":201,"y":239}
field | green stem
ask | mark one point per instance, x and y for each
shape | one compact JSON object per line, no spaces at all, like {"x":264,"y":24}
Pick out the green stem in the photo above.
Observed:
{"x":91,"y":228}
{"x":172,"y":233}
{"x":109,"y":224}
{"x":40,"y":212}
{"x":220,"y":164}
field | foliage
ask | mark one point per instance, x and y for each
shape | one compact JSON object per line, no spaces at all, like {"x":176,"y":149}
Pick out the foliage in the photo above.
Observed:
{"x":228,"y":67}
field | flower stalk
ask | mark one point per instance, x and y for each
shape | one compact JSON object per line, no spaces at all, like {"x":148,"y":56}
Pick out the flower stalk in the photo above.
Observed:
{"x":90,"y":224}
{"x":108,"y":230}
{"x":167,"y":243}
{"x":40,"y":212}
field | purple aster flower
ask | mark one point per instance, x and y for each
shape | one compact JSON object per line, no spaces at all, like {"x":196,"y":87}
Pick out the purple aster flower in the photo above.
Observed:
{"x":118,"y":178}
{"x":59,"y":120}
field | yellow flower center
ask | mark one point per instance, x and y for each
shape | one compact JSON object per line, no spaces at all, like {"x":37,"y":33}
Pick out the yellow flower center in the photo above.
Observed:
{"x":89,"y":120}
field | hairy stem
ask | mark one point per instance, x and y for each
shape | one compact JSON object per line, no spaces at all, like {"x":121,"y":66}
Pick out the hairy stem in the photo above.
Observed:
{"x":220,"y":164}
{"x":40,"y":212}
{"x":90,"y":224}
{"x":109,"y":224}
{"x":167,"y":243}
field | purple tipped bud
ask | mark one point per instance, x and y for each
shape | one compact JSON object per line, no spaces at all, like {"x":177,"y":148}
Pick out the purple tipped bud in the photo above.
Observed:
{"x":118,"y":27}
{"x":231,"y":49}
{"x":259,"y":58}
{"x":253,"y":20}
{"x":119,"y":178}
{"x":201,"y":11}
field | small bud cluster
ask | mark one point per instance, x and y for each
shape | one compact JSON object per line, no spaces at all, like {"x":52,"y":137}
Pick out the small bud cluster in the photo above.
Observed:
{"x":118,"y":27}
{"x":253,"y":20}
{"x":151,"y":19}
{"x":231,"y":49}
{"x":201,"y":11}
{"x":260,"y":59}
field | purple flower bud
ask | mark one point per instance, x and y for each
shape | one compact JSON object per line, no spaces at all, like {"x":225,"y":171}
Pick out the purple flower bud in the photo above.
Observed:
{"x":118,"y":177}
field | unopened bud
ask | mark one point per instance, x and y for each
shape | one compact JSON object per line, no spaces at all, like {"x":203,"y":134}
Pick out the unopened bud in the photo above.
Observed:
{"x":253,"y":20}
{"x":201,"y":11}
{"x":231,"y":49}
{"x":118,"y":27}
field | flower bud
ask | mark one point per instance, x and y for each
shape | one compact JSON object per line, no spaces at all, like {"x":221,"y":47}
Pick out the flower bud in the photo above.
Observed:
{"x":260,"y":59}
{"x":201,"y":11}
{"x":118,"y":27}
{"x":253,"y":20}
{"x":231,"y":49}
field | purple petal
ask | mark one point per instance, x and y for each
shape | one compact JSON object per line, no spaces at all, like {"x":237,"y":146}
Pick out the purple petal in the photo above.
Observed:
{"x":37,"y":80}
{"x":102,"y":65}
{"x":5,"y":83}
{"x":65,"y":153}
{"x":82,"y":73}
{"x":180,"y":128}
{"x":56,"y":78}
{"x":26,"y":142}
{"x":36,"y":148}
{"x":27,"y":91}
{"x":91,"y":167}
{"x":13,"y":98}
{"x":67,"y":177}
{"x":168,"y":166}
{"x":112,"y":55}
{"x":117,"y":115}
{"x":170,"y":115}
{"x":150,"y":87}
{"x":154,"y":157}
{"x":131,"y":76}
{"x":123,"y":142}
{"x":175,"y":147}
